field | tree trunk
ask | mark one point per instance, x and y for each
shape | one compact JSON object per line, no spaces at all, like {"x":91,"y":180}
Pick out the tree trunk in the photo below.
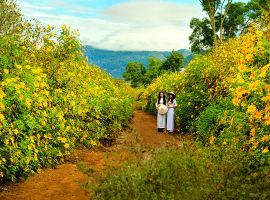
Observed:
{"x":222,"y":17}
{"x":211,"y":14}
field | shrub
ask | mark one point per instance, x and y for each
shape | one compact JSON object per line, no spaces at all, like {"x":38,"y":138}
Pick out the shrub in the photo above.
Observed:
{"x":215,"y":172}
{"x":238,"y":71}
{"x":51,"y":99}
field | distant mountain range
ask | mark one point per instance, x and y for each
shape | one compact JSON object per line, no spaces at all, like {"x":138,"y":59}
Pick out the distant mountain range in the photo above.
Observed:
{"x":114,"y":62}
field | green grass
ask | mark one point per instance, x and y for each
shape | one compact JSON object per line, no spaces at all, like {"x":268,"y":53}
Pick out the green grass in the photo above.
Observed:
{"x":189,"y":173}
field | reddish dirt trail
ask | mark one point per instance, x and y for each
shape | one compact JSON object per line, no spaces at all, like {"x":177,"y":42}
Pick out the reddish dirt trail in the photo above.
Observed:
{"x":146,"y":126}
{"x":65,"y":182}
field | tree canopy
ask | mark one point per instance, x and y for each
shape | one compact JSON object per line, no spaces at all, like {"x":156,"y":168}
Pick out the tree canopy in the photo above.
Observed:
{"x":224,"y":20}
{"x":138,"y":74}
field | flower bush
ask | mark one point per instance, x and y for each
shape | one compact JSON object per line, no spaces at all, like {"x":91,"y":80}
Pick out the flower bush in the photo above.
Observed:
{"x":223,"y":96}
{"x":51,"y":99}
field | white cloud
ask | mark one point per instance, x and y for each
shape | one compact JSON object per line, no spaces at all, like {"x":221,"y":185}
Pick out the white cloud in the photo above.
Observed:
{"x":137,"y":25}
{"x":153,"y":26}
{"x":155,"y":13}
{"x":157,"y":38}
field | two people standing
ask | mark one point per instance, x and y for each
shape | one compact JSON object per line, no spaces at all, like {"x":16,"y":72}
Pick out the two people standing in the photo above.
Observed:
{"x":165,"y":109}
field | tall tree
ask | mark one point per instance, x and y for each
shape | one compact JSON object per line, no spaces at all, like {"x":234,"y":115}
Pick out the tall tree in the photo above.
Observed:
{"x":235,"y":22}
{"x":11,"y":21}
{"x":256,"y":8}
{"x":153,"y":70}
{"x":173,"y":62}
{"x":134,"y":73}
{"x":230,"y":19}
{"x":201,"y":38}
{"x":211,"y":7}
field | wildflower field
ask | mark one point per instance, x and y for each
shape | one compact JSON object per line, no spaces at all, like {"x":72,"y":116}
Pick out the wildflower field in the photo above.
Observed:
{"x":223,"y":100}
{"x":51,"y":99}
{"x":224,"y":95}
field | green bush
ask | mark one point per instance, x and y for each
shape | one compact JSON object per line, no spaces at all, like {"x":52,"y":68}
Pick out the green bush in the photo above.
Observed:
{"x":51,"y":99}
{"x":206,"y":123}
{"x":223,"y":172}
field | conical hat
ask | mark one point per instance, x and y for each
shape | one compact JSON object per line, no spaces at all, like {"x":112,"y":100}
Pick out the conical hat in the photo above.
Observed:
{"x":162,"y":109}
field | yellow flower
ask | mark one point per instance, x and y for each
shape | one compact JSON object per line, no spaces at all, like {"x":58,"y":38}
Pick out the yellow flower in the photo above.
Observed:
{"x":72,"y":103}
{"x":28,"y":103}
{"x":267,"y":120}
{"x":21,"y":97}
{"x":243,"y":104}
{"x":16,"y":131}
{"x":18,"y":66}
{"x":6,"y":141}
{"x":254,"y":85}
{"x":38,"y":78}
{"x":63,"y":140}
{"x":252,"y":132}
{"x":35,"y":157}
{"x":255,"y":144}
{"x":251,"y":109}
{"x":264,"y":138}
{"x":242,"y":68}
{"x":265,"y":150}
{"x":45,"y":104}
{"x":2,"y":94}
{"x":259,"y":33}
{"x":2,"y":106}
{"x":37,"y":70}
{"x":249,"y":57}
{"x":6,"y":71}
{"x":36,"y":84}
{"x":43,"y":123}
{"x":266,"y":98}
{"x":236,"y":101}
{"x":212,"y":139}
{"x":2,"y":117}
{"x":252,"y":75}
{"x":264,"y":70}
{"x":240,"y":91}
{"x":66,"y":145}
{"x":257,"y":115}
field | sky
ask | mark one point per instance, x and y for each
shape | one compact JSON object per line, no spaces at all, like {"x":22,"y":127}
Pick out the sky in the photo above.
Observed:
{"x":161,"y":25}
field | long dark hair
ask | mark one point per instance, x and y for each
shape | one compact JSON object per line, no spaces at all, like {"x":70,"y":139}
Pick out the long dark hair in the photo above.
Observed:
{"x":171,"y":99}
{"x":159,"y":97}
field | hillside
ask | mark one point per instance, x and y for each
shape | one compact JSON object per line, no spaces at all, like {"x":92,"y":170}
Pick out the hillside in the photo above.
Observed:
{"x":114,"y":62}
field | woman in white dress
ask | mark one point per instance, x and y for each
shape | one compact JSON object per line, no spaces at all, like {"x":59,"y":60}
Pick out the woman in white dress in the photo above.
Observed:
{"x":170,"y":114}
{"x":161,"y":118}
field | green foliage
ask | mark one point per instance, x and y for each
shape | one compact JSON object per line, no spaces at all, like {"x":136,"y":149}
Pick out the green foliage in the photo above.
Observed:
{"x":207,"y":122}
{"x":134,"y":73}
{"x":236,"y":20}
{"x":174,"y":62}
{"x":139,"y":75}
{"x":256,"y":8}
{"x":229,"y":20}
{"x":201,"y":36}
{"x":115,"y":62}
{"x":51,"y":100}
{"x":189,"y":173}
{"x":224,"y":95}
{"x":10,"y":18}
{"x":153,"y":70}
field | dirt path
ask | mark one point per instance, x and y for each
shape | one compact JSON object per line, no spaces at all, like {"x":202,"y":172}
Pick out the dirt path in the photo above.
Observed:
{"x":65,"y":182}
